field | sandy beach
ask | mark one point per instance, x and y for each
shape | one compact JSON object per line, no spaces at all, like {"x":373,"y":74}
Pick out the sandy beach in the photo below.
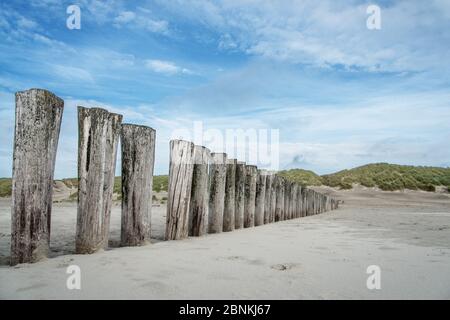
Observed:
{"x":406,"y":234}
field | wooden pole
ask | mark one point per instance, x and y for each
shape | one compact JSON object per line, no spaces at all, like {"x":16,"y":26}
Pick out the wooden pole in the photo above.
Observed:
{"x":260,"y":197}
{"x":285,"y":213}
{"x":267,"y":198}
{"x":98,"y":137}
{"x":138,"y":158}
{"x":308,"y":202}
{"x":273,"y":197}
{"x":199,"y":206}
{"x":37,"y":126}
{"x":181,"y":169}
{"x":280,"y":190}
{"x":293,"y":200}
{"x":230,"y":196}
{"x":299,"y":201}
{"x":250,"y":195}
{"x":304,"y":202}
{"x":317,"y":202}
{"x":240,"y":195}
{"x":217,"y":174}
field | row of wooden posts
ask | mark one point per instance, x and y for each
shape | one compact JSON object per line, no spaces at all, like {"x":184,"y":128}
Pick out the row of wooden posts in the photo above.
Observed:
{"x":207,"y":192}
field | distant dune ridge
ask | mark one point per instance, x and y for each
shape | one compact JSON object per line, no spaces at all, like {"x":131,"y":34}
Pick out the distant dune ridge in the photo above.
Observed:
{"x":385,"y":176}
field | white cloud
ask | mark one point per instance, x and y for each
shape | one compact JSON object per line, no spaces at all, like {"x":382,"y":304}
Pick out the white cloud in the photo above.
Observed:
{"x":166,"y":67}
{"x":125,"y":17}
{"x":72,"y":73}
{"x":142,"y":20}
{"x":328,"y":32}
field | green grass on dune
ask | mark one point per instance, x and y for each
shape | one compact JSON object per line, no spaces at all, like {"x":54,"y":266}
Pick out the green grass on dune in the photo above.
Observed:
{"x":303,"y":177}
{"x":388,"y":177}
{"x":160,"y":183}
{"x":5,"y":187}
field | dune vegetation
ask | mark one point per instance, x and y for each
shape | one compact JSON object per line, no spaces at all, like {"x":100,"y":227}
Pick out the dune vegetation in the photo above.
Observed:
{"x":388,"y":177}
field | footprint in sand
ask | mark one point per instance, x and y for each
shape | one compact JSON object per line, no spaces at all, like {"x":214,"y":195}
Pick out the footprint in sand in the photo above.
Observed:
{"x":284,"y":266}
{"x":256,"y":262}
{"x":65,"y":263}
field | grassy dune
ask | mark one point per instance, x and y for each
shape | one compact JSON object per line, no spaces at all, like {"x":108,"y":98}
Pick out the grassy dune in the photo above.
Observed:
{"x":388,"y":177}
{"x":159,"y":184}
{"x":303,"y":177}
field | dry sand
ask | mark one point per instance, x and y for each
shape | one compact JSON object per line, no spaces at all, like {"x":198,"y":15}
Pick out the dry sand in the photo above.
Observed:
{"x":407,"y":234}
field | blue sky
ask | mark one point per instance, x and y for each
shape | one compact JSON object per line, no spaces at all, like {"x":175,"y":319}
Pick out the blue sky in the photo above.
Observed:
{"x":340,"y":94}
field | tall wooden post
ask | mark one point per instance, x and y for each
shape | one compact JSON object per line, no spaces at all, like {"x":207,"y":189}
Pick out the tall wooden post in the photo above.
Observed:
{"x":37,"y":126}
{"x":267,"y":198}
{"x":273,"y":197}
{"x":97,"y":150}
{"x":316,"y":203}
{"x":286,"y":213}
{"x":304,"y":201}
{"x":218,"y":173}
{"x":199,"y":206}
{"x":293,"y":201}
{"x":138,"y":158}
{"x":240,"y":195}
{"x":311,"y":202}
{"x":250,"y":196}
{"x":181,"y":169}
{"x":280,"y":190}
{"x":298,"y":209}
{"x":260,"y":197}
{"x":230,"y":196}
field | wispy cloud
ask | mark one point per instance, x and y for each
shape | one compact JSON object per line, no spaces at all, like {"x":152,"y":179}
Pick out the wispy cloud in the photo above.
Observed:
{"x":166,"y":67}
{"x":141,"y":19}
{"x":72,"y":73}
{"x":328,"y":33}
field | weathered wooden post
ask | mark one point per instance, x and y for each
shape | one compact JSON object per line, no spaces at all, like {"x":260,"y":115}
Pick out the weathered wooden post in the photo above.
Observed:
{"x":273,"y":197}
{"x":37,"y":126}
{"x":181,"y":169}
{"x":322,"y":203}
{"x":299,"y":201}
{"x":138,"y":158}
{"x":250,"y":196}
{"x":199,"y":206}
{"x":308,"y":202}
{"x":267,"y":197}
{"x":314,"y":202}
{"x":218,"y":175}
{"x":98,"y":137}
{"x":293,"y":200}
{"x":280,"y":190}
{"x":285,"y":213}
{"x":317,"y":202}
{"x":304,"y":201}
{"x":260,"y":197}
{"x":230,"y":196}
{"x":240,"y":195}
